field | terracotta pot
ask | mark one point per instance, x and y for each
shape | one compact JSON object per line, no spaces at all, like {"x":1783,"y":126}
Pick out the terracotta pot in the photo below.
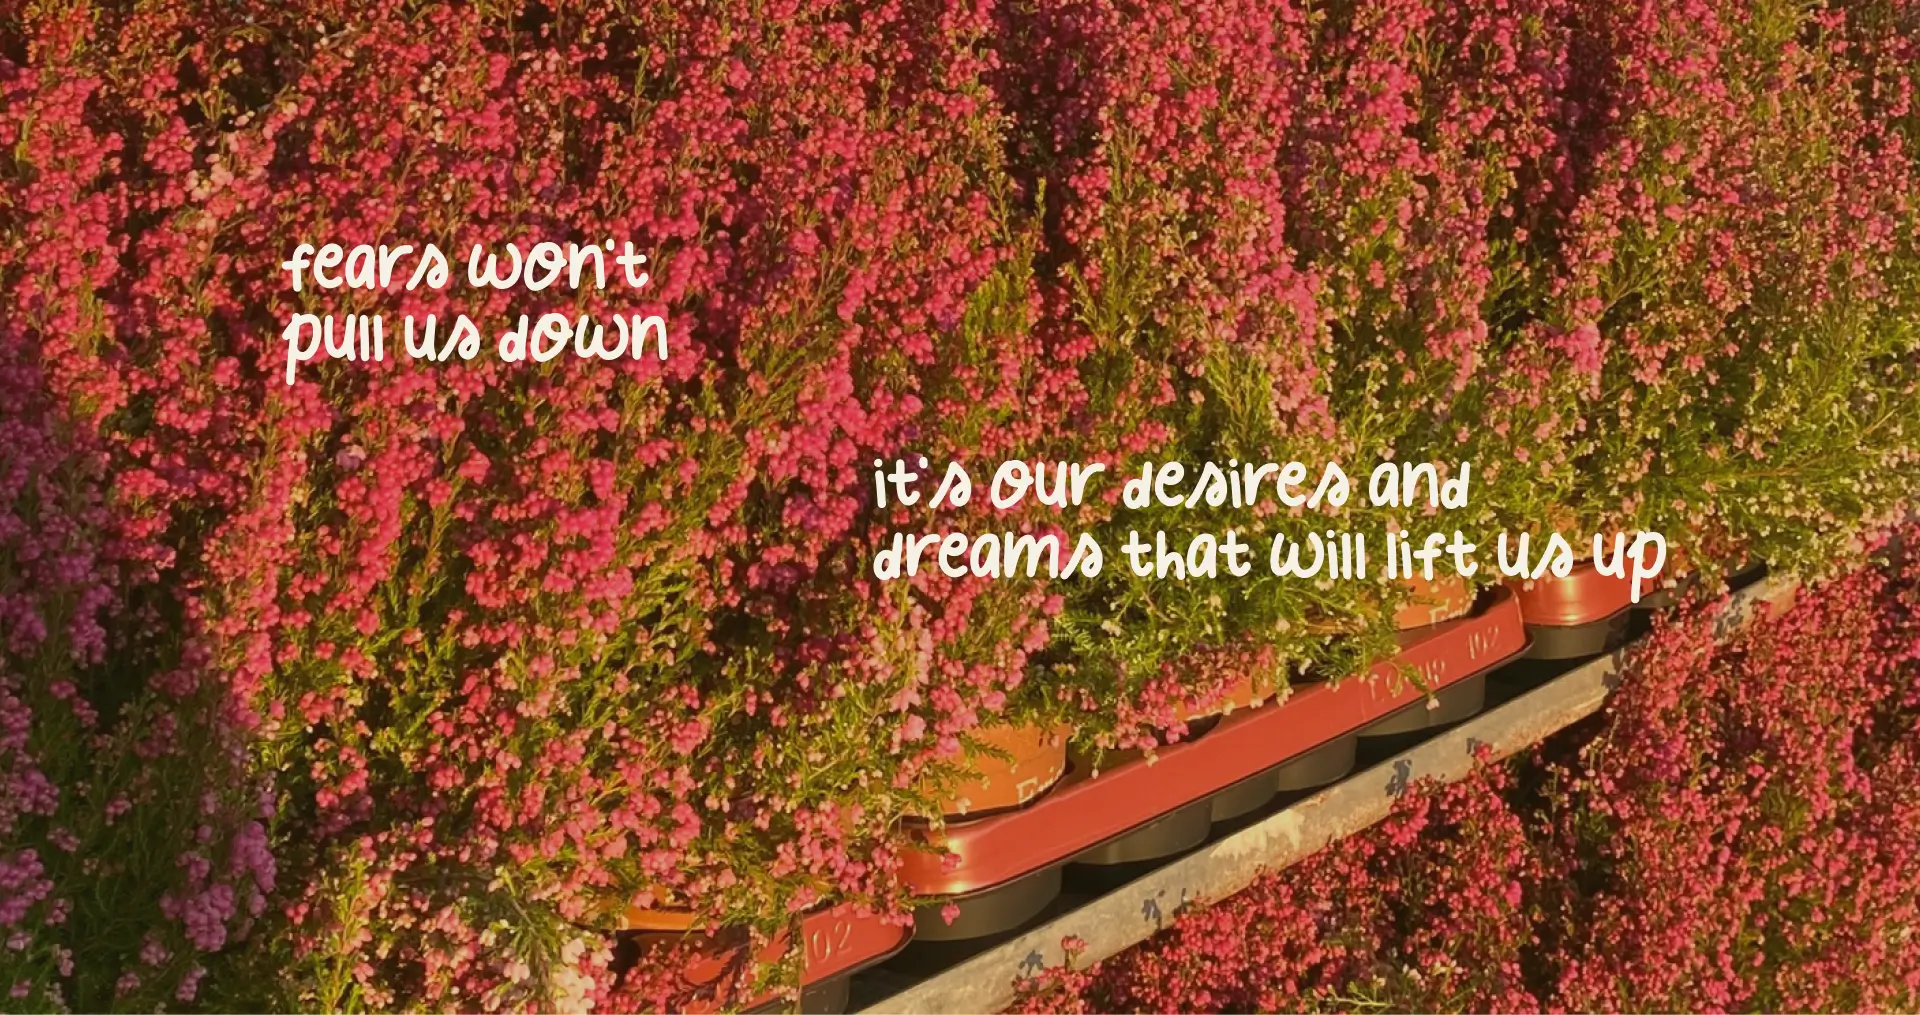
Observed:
{"x":1442,"y":599}
{"x":1566,"y":522}
{"x":1027,"y":762}
{"x":1584,"y":596}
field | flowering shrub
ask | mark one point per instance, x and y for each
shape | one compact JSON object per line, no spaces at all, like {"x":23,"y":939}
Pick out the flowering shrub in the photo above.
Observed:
{"x":1274,"y":232}
{"x":389,"y":687}
{"x":1736,"y":833}
{"x":516,"y":644}
{"x":1751,"y":813}
{"x":1744,"y":247}
{"x":134,"y":844}
{"x":1158,"y":135}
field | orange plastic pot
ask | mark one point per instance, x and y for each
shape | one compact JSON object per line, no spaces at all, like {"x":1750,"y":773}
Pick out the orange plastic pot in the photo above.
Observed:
{"x":1584,"y":596}
{"x":1024,"y":761}
{"x":1577,"y":616}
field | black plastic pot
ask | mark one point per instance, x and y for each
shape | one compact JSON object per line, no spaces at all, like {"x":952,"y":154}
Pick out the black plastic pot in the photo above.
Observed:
{"x":992,"y":911}
{"x":1324,"y":765}
{"x":1746,"y":574}
{"x":1243,"y":797}
{"x":827,"y":998}
{"x":1579,"y":641}
{"x":1669,"y":596}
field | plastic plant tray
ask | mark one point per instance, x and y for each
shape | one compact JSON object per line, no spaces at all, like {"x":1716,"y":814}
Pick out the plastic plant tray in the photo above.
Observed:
{"x":1086,"y":810}
{"x":839,"y":942}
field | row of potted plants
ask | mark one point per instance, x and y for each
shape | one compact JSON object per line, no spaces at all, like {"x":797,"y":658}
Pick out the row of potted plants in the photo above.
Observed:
{"x":1027,"y":805}
{"x":451,"y":655}
{"x":1029,"y":809}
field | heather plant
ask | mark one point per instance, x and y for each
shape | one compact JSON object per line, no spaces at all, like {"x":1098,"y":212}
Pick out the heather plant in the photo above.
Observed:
{"x":135,"y":844}
{"x":835,"y":315}
{"x":1644,"y":262}
{"x":519,"y":645}
{"x":1285,"y":242}
{"x":1748,"y":815}
{"x":135,"y":848}
{"x":1740,"y":249}
{"x":1427,"y":912}
{"x":1432,"y":168}
{"x":1158,"y":134}
{"x":390,"y":687}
